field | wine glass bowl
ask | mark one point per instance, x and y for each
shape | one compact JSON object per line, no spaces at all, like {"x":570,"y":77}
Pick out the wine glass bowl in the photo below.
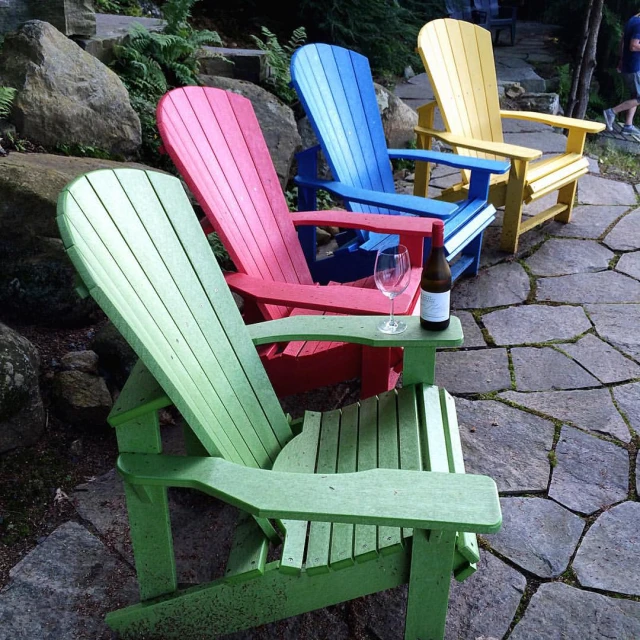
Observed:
{"x":392,"y":274}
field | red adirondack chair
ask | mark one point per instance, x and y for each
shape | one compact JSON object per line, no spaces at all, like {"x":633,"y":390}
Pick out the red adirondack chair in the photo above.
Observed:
{"x":215,"y":141}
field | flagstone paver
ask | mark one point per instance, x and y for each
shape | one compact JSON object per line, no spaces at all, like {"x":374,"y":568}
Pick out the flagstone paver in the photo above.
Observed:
{"x":597,"y":190}
{"x":544,"y":369}
{"x":629,"y":263}
{"x":534,"y":323}
{"x":537,"y":534}
{"x":592,"y":410}
{"x":562,"y":257}
{"x":473,"y":371}
{"x":485,"y":603}
{"x":601,"y":287}
{"x":558,"y":611}
{"x":618,"y":324}
{"x":625,"y":236}
{"x":609,"y":556}
{"x":510,"y":445}
{"x":67,"y":583}
{"x":590,"y":473}
{"x":601,"y":359}
{"x":101,"y":502}
{"x":472,"y":333}
{"x":492,"y":254}
{"x":496,"y":286}
{"x":628,"y":398}
{"x":481,"y":606}
{"x":546,"y":141}
{"x":588,"y":221}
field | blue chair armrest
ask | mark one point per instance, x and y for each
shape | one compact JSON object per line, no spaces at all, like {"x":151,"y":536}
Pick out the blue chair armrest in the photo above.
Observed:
{"x":394,"y":201}
{"x":451,"y":160}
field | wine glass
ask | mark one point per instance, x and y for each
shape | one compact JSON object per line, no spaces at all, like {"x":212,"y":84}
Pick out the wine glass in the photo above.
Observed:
{"x":392,"y":276}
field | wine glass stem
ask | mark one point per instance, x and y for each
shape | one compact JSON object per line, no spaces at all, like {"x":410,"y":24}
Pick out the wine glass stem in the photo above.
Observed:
{"x":392,"y":320}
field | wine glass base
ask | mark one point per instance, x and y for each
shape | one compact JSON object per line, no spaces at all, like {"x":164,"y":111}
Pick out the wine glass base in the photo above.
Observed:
{"x":392,"y":327}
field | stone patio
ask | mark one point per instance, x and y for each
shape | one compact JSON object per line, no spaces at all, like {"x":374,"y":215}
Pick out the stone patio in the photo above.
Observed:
{"x":548,"y":399}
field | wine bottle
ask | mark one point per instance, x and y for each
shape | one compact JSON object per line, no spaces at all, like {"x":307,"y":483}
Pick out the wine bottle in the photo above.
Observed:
{"x":435,"y":284}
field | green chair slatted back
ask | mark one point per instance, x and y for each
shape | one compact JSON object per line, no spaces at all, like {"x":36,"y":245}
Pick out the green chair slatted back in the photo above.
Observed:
{"x":160,"y":292}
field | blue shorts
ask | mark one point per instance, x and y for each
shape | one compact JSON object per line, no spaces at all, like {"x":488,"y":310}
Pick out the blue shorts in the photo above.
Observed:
{"x":632,"y":80}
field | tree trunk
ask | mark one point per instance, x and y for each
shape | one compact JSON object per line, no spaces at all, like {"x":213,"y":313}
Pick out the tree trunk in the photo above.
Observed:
{"x":585,"y":62}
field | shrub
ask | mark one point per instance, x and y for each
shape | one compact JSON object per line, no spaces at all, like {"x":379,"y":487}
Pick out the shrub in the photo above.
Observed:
{"x":7,"y":96}
{"x":150,"y":63}
{"x":279,"y":59}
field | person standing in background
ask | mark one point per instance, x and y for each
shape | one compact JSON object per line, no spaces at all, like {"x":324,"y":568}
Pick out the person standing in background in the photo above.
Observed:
{"x":629,"y":66}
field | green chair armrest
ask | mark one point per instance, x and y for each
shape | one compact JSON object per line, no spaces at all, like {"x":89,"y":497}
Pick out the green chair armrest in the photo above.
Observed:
{"x":355,"y":329}
{"x":391,"y":497}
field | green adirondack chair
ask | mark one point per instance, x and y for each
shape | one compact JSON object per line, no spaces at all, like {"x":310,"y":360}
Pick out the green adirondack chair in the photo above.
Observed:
{"x":359,"y":499}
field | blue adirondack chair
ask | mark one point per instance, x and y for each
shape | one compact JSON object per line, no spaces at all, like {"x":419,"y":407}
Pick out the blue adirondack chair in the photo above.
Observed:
{"x":336,"y":89}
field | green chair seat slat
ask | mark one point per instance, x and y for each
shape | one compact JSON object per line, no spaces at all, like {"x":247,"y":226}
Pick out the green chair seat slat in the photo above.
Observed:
{"x":319,"y":545}
{"x":342,"y":534}
{"x":299,"y":456}
{"x":389,"y":538}
{"x":409,"y":427}
{"x":467,"y":543}
{"x":365,"y":544}
{"x":248,"y":553}
{"x":436,"y":454}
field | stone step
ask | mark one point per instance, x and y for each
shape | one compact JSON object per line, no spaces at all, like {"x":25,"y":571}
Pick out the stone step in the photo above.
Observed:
{"x":242,"y":64}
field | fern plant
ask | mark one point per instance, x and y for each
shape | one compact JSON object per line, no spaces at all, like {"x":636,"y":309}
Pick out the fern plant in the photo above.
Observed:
{"x":150,"y":63}
{"x":278,"y":60}
{"x":7,"y":96}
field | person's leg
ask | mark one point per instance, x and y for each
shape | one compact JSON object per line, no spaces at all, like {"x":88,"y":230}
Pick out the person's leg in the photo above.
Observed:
{"x":632,"y":80}
{"x":634,"y":84}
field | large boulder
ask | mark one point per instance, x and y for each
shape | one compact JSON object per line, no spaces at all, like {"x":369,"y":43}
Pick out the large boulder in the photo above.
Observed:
{"x":276,"y":120}
{"x":21,"y":409}
{"x":37,"y":280}
{"x":398,"y":119}
{"x":71,"y":17}
{"x":65,"y":95}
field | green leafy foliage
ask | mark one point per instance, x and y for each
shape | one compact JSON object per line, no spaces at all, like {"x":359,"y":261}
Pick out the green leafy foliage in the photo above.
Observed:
{"x":608,"y":88}
{"x":150,"y":63}
{"x":324,"y":199}
{"x":279,"y":59}
{"x":7,"y":96}
{"x":84,"y":151}
{"x":385,"y":31}
{"x":124,"y":7}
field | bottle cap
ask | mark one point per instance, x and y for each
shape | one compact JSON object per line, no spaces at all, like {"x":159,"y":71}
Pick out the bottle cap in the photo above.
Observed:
{"x":438,"y":233}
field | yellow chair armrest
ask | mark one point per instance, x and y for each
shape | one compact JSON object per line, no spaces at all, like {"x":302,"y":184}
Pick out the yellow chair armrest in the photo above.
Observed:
{"x":554,"y":121}
{"x":511,"y":151}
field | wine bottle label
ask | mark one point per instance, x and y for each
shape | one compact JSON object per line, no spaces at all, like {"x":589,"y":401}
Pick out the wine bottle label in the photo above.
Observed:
{"x":434,"y":307}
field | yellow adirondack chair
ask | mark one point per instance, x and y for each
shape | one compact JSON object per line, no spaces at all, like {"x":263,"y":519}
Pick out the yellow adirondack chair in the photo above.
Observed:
{"x":458,"y":58}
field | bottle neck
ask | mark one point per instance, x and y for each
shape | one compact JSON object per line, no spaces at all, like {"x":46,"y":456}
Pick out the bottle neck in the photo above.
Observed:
{"x":437,"y":235}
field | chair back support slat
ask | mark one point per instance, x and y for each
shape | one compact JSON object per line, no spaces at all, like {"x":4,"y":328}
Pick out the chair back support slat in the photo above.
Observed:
{"x":136,"y":240}
{"x":215,"y":140}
